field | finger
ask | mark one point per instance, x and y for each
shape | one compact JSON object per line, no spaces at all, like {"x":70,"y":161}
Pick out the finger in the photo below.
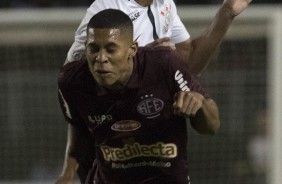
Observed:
{"x":178,"y":102}
{"x":164,"y":39}
{"x":168,"y":44}
{"x":194,"y":109}
{"x":161,"y":41}
{"x":172,"y":46}
{"x":186,"y":103}
{"x":195,"y":105}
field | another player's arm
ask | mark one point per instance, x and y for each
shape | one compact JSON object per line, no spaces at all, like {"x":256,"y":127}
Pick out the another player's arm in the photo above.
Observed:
{"x":202,"y":112}
{"x":198,"y":52}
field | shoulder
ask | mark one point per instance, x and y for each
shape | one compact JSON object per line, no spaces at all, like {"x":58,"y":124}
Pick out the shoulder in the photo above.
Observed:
{"x":72,"y":72}
{"x":159,"y":55}
{"x":158,"y":60}
{"x":160,"y":52}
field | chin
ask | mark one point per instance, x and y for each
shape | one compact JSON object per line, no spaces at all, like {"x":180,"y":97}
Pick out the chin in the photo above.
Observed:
{"x":108,"y":86}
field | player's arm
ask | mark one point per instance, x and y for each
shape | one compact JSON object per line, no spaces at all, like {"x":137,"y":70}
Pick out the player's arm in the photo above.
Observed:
{"x":78,"y":145}
{"x":70,"y":163}
{"x":79,"y":139}
{"x":164,"y":42}
{"x":203,"y":112}
{"x":198,"y":52}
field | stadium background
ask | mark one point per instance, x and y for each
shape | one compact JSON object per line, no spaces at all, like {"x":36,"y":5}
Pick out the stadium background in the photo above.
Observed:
{"x":33,"y":46}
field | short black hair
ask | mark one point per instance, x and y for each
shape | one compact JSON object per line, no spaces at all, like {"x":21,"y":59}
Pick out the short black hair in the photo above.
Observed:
{"x":111,"y":19}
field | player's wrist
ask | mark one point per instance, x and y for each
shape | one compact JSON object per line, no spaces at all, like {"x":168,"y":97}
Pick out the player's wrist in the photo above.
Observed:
{"x":226,"y":11}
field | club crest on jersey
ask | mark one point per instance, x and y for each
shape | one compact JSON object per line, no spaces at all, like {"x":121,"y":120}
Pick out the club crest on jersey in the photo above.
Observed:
{"x":150,"y":106}
{"x":165,"y":12}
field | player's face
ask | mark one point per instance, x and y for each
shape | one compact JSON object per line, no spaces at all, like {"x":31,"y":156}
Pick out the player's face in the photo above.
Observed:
{"x":109,"y":53}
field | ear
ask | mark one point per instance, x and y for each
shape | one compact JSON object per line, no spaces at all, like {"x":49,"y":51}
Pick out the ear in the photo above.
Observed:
{"x":133,"y":49}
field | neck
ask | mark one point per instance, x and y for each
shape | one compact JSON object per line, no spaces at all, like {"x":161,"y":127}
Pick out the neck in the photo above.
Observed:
{"x":102,"y":90}
{"x":144,"y":2}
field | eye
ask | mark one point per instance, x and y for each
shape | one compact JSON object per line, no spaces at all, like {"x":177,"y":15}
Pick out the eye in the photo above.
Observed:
{"x":94,"y":49}
{"x":111,"y":49}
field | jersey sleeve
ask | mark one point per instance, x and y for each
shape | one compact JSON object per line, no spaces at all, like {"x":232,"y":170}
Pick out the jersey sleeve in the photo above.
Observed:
{"x":76,"y":52}
{"x":69,"y":113}
{"x":181,"y":78}
{"x":179,"y":31}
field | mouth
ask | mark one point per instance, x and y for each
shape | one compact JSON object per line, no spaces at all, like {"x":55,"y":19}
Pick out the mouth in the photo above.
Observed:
{"x":102,"y":72}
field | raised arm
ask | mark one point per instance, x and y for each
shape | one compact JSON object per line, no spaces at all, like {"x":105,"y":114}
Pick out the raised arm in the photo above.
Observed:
{"x":202,"y":112}
{"x":198,"y":52}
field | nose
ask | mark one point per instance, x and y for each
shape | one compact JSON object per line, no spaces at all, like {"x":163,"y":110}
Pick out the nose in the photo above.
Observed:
{"x":101,"y":57}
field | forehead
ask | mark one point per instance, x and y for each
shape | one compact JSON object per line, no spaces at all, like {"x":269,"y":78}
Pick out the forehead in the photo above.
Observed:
{"x":104,"y":34}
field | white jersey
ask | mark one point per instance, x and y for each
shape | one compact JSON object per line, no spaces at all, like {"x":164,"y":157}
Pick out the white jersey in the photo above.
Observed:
{"x":166,"y":23}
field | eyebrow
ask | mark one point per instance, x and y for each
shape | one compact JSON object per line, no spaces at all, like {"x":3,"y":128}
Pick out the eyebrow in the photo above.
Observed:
{"x":110,"y":44}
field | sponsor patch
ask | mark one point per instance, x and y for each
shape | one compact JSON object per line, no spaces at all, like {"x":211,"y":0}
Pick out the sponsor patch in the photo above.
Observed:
{"x":183,"y":84}
{"x":126,"y":125}
{"x":129,"y":151}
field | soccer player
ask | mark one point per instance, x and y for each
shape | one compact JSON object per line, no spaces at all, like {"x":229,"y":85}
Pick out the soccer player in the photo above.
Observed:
{"x":134,"y":102}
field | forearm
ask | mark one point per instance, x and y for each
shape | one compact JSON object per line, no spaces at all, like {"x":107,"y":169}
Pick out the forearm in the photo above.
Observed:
{"x":71,"y":164}
{"x":206,"y":120}
{"x":79,"y":146}
{"x":69,"y":169}
{"x":204,"y":47}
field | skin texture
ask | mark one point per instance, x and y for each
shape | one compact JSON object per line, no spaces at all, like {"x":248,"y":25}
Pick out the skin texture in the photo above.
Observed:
{"x":110,"y":57}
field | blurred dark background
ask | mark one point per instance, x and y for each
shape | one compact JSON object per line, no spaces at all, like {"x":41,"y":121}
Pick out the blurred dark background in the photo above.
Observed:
{"x":81,"y":3}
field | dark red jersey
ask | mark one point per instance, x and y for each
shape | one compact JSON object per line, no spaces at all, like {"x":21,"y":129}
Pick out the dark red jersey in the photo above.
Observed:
{"x":138,"y":138}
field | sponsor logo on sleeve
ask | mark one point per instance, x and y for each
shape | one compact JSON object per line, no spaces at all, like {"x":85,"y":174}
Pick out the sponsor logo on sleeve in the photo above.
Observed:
{"x":181,"y":82}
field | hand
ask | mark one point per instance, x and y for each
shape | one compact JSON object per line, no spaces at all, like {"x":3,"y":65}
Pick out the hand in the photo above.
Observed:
{"x":64,"y":180}
{"x":187,"y":103}
{"x":69,"y":172}
{"x":236,"y":6}
{"x":162,"y":42}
